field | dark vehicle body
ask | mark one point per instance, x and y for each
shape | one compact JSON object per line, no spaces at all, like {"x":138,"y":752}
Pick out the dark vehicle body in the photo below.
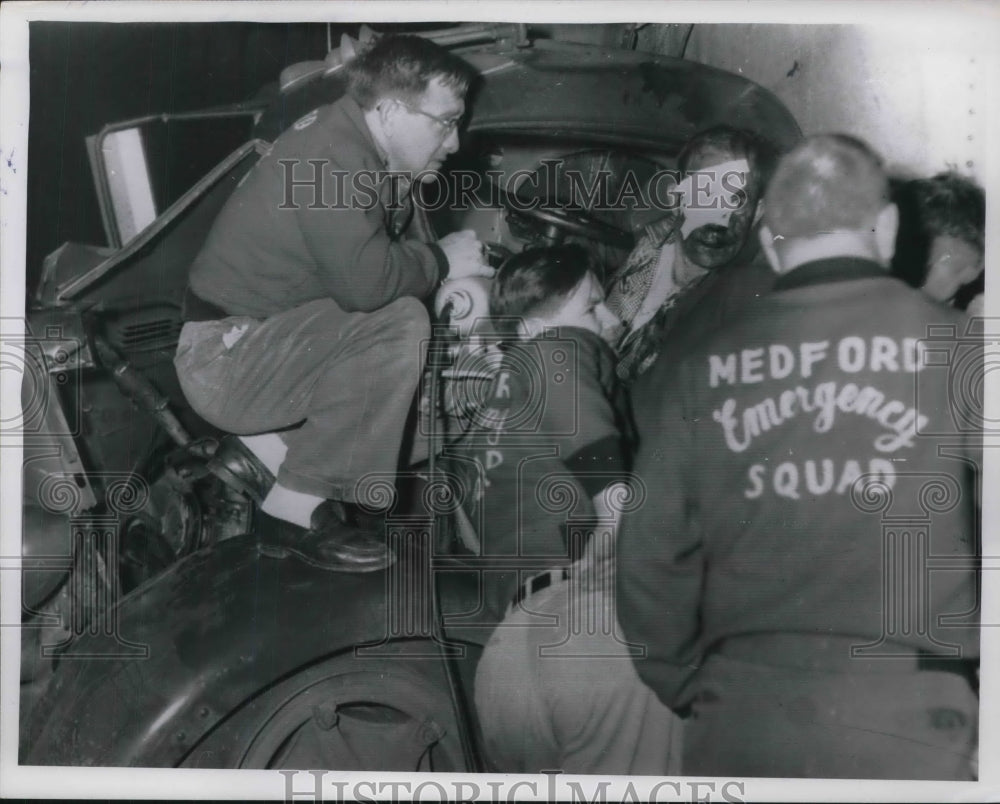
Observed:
{"x":185,"y":640}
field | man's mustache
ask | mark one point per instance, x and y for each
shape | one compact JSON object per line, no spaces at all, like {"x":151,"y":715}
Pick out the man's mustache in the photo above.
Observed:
{"x":713,"y":235}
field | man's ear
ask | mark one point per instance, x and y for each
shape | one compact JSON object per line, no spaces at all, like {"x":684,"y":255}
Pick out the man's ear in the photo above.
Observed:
{"x":530,"y":327}
{"x":886,"y":229}
{"x":387,"y":111}
{"x":767,"y":243}
{"x":973,"y":271}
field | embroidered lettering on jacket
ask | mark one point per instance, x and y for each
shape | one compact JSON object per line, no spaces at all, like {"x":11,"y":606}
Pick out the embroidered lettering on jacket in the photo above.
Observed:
{"x":779,"y":361}
{"x":493,"y":419}
{"x":824,"y":403}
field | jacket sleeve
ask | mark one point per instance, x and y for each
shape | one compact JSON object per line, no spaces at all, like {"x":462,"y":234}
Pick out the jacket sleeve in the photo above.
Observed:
{"x":361,"y":266}
{"x":660,"y":552}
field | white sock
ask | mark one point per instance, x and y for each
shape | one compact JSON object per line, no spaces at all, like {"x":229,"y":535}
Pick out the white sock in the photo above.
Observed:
{"x":291,"y":506}
{"x":269,"y":448}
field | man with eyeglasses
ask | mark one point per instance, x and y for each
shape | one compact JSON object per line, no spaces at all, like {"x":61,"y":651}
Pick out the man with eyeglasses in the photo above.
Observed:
{"x":304,"y":309}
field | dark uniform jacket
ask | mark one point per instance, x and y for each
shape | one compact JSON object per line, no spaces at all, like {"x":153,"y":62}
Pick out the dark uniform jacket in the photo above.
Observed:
{"x":282,"y":241}
{"x":791,"y":463}
{"x":708,"y":305}
{"x":554,"y":431}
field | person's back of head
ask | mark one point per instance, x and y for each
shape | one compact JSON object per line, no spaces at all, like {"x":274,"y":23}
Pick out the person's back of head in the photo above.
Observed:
{"x":942,"y":233}
{"x":401,"y":67}
{"x":549,"y":287}
{"x":829,"y":197}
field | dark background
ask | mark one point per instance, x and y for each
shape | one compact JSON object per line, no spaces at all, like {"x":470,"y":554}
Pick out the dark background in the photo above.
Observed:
{"x":85,"y":75}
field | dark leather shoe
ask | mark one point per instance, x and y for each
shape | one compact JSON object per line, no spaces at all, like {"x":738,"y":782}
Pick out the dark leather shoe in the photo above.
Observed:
{"x":331,"y":543}
{"x":330,"y":512}
{"x":239,"y":468}
{"x":347,"y":513}
{"x":364,"y":518}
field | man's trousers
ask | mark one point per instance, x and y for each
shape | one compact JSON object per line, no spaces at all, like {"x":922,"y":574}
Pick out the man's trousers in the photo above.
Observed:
{"x":348,"y":381}
{"x":556,"y":689}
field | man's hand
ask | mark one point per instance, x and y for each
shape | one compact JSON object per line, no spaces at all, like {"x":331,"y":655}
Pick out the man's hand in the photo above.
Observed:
{"x":465,"y":255}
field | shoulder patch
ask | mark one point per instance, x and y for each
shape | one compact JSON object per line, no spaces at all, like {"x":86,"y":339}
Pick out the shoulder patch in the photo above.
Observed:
{"x":306,"y":121}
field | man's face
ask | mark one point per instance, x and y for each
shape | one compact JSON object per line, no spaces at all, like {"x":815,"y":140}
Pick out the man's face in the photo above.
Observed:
{"x":714,"y":245}
{"x":584,"y":307}
{"x":421,"y":134}
{"x":952,"y":263}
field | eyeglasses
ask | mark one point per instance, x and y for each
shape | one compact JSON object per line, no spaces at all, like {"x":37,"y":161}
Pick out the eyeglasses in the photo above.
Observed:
{"x":446,"y":124}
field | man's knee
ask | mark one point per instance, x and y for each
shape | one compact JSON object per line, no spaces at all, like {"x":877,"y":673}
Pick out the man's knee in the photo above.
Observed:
{"x":412,"y":318}
{"x":398,"y":333}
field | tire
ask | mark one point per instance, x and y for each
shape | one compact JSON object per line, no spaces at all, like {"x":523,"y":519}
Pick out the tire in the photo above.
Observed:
{"x":346,"y":713}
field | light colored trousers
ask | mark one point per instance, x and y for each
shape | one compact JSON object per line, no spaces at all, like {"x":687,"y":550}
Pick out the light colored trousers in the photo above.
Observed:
{"x":556,"y":688}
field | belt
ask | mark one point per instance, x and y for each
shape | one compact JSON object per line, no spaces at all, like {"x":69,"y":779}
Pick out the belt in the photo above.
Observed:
{"x":197,"y":309}
{"x":536,"y":584}
{"x":833,"y":654}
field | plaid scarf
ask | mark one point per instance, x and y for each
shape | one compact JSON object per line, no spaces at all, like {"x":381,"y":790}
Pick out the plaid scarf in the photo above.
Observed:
{"x":631,"y":284}
{"x":638,"y":348}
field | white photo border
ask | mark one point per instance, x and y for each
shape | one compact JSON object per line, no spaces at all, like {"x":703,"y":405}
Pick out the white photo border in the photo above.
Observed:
{"x":974,"y":25}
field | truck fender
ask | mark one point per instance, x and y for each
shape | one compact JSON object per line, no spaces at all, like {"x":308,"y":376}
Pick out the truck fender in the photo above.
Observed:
{"x":200,"y":641}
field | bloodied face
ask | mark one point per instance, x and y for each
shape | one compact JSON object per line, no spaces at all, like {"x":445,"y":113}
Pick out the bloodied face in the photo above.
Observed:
{"x":720,"y":207}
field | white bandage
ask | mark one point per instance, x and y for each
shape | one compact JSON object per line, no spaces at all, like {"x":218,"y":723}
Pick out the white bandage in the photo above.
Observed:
{"x":469,"y":298}
{"x":710,"y":195}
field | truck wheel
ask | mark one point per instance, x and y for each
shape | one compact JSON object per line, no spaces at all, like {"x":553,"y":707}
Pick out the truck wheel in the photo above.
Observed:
{"x":347,"y":713}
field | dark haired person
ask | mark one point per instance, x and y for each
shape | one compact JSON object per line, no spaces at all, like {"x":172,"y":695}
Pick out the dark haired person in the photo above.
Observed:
{"x":699,"y":265}
{"x":778,"y":572}
{"x":942,"y":234}
{"x":555,"y":394}
{"x":304,"y":306}
{"x":551,"y":453}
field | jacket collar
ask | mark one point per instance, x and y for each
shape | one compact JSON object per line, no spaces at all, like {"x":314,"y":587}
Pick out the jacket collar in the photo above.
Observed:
{"x":355,"y":114}
{"x":836,"y":269}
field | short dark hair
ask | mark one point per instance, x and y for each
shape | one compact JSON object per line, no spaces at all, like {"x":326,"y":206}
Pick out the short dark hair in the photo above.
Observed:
{"x":945,"y":204}
{"x":760,"y":154}
{"x":401,"y":66}
{"x":536,"y":281}
{"x":829,"y":182}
